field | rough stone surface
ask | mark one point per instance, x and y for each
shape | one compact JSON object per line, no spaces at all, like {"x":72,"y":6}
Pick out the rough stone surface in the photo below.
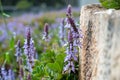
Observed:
{"x":100,"y":54}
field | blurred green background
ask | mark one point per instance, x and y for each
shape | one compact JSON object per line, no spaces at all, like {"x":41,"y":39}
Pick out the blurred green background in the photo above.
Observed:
{"x":36,"y":4}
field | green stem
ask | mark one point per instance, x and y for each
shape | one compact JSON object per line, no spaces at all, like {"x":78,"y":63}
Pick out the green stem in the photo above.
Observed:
{"x":4,"y":20}
{"x":4,"y":63}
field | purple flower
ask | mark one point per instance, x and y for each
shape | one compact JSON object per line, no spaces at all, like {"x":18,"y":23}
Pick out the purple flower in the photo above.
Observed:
{"x":7,"y":74}
{"x":10,"y":75}
{"x":69,"y":10}
{"x":29,"y":77}
{"x":74,"y":36}
{"x":29,"y":50}
{"x":28,"y":36}
{"x":62,"y":32}
{"x":70,"y":37}
{"x":18,"y":51}
{"x":46,"y":29}
{"x":72,"y":23}
{"x":77,"y":39}
{"x":19,"y":60}
{"x":69,"y":67}
{"x":71,"y":55}
{"x":3,"y":73}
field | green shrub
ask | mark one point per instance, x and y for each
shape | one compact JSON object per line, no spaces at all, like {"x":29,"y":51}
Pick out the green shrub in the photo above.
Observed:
{"x":23,"y":4}
{"x":114,"y":4}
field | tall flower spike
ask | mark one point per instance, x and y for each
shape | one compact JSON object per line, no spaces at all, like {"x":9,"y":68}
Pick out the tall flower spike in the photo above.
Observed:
{"x":29,"y":50}
{"x":68,"y":14}
{"x":18,"y":51}
{"x":72,"y":23}
{"x":70,"y":37}
{"x":62,"y":32}
{"x":69,"y":20}
{"x":21,"y":71}
{"x":19,"y":60}
{"x":28,"y":36}
{"x":74,"y":36}
{"x":69,"y":10}
{"x":46,"y":29}
{"x":71,"y":56}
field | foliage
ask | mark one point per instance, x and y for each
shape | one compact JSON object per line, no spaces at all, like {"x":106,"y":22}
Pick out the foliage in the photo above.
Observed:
{"x":23,"y":4}
{"x":115,"y":4}
{"x":49,"y":67}
{"x":54,"y":3}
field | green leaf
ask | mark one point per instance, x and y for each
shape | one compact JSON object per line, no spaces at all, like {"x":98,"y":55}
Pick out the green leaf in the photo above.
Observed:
{"x":6,"y":15}
{"x":7,"y":57}
{"x":48,"y":57}
{"x":39,"y":70}
{"x":60,"y":59}
{"x":114,"y":4}
{"x":54,"y":67}
{"x":12,"y":43}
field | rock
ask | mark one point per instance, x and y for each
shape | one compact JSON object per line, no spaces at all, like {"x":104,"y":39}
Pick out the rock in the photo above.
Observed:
{"x":100,"y":54}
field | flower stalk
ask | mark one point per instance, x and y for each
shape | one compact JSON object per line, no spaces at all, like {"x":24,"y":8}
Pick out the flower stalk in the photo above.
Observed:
{"x":29,"y":51}
{"x":74,"y":36}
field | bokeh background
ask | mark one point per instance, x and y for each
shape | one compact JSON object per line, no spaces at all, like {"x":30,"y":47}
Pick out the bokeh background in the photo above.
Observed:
{"x":17,"y":15}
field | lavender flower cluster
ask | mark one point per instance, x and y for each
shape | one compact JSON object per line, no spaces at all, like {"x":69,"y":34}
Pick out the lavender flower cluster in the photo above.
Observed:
{"x":7,"y":74}
{"x":74,"y":36}
{"x":62,"y":32}
{"x":19,"y":60}
{"x":18,"y":51}
{"x":73,"y":43}
{"x":46,"y":36}
{"x":29,"y":52}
